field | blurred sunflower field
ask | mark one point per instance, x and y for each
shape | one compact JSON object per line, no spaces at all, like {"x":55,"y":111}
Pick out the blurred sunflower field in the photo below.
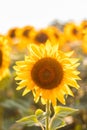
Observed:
{"x":46,"y":64}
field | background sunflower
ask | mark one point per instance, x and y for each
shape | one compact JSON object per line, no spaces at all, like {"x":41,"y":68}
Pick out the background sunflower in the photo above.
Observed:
{"x":4,"y":57}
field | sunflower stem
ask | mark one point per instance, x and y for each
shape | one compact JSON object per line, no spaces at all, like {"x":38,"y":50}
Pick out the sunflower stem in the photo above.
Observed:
{"x":48,"y":115}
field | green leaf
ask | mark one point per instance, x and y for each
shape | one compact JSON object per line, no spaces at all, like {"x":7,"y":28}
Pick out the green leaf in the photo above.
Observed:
{"x":28,"y":120}
{"x":57,"y":120}
{"x":20,"y":105}
{"x":64,"y":111}
{"x":11,"y":104}
{"x":41,"y":116}
{"x":56,"y":123}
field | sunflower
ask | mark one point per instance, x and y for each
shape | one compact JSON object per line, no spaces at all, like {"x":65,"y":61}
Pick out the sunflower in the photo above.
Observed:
{"x":84,"y":44}
{"x":12,"y":36}
{"x":49,"y":33}
{"x":83,"y":26}
{"x":4,"y":57}
{"x":27,"y":32}
{"x":72,"y":32}
{"x":25,"y":35}
{"x":41,"y":36}
{"x":56,"y":35}
{"x":47,"y":72}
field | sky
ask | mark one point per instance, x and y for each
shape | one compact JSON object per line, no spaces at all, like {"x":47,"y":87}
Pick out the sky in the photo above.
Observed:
{"x":40,"y":13}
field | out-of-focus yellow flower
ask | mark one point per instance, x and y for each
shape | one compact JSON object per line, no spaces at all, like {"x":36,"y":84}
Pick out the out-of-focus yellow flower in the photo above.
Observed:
{"x":4,"y":57}
{"x":19,"y":38}
{"x":84,"y":44}
{"x":47,"y":72}
{"x":41,"y":36}
{"x":50,"y":33}
{"x":12,"y":36}
{"x":83,"y":26}
{"x":25,"y":36}
{"x":56,"y":35}
{"x":72,"y":32}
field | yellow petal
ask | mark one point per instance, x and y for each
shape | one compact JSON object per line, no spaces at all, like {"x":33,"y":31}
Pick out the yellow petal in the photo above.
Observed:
{"x":69,"y":53}
{"x":35,"y":51}
{"x":67,"y":90}
{"x":73,"y":83}
{"x":60,"y":97}
{"x":26,"y":91}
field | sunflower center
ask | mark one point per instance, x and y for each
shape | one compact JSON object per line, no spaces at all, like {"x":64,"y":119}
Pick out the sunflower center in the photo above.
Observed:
{"x":47,"y":73}
{"x":41,"y":37}
{"x":26,"y":32}
{"x":85,"y":26}
{"x":12,"y":34}
{"x":0,"y":58}
{"x":75,"y":31}
{"x":56,"y":35}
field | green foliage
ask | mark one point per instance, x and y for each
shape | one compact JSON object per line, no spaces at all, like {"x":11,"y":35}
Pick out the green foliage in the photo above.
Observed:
{"x":57,"y":121}
{"x":28,"y":120}
{"x":34,"y":120}
{"x":41,"y":115}
{"x":38,"y":119}
{"x":64,"y":111}
{"x":21,"y":105}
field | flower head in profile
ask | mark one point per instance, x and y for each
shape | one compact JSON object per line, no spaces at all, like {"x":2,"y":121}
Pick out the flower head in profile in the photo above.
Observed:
{"x":4,"y":57}
{"x":83,"y":25}
{"x":84,"y":44}
{"x":48,"y":73}
{"x":72,"y":32}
